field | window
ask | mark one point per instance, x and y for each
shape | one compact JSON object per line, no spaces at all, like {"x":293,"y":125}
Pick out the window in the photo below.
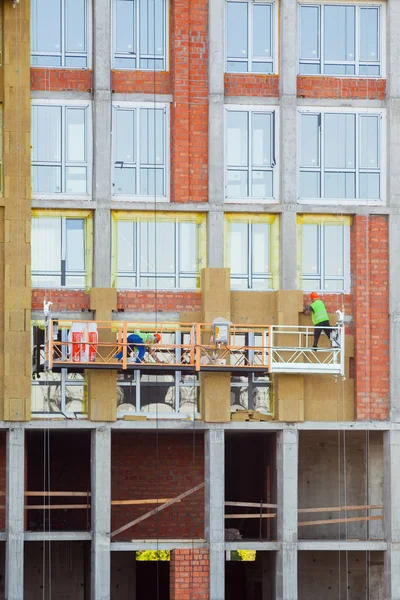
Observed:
{"x":324,"y":248}
{"x":251,"y":392}
{"x":163,"y":254}
{"x":61,"y":252}
{"x":250,"y":154}
{"x":340,"y":39}
{"x":250,"y":37}
{"x":60,"y":149}
{"x":141,"y":151}
{"x":340,"y":155}
{"x":140,"y":34}
{"x":252,"y":252}
{"x":59,"y":33}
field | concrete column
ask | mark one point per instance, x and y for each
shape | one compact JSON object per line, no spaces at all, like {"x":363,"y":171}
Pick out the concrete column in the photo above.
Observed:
{"x":216,"y":190}
{"x":101,"y":513}
{"x":287,"y":471}
{"x":393,"y":187}
{"x":215,"y":509}
{"x":392,"y":514}
{"x":102,"y":141}
{"x":288,"y":141}
{"x":14,"y":580}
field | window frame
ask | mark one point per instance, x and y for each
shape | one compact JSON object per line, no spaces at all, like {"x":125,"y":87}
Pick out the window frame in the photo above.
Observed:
{"x":251,"y":219}
{"x":63,"y":163}
{"x":87,"y":217}
{"x":63,"y":27}
{"x":323,"y":221}
{"x":134,"y":106}
{"x":381,"y":42}
{"x":254,"y":109}
{"x":274,"y":38}
{"x":382,"y":155}
{"x":137,"y":274}
{"x":115,"y":55}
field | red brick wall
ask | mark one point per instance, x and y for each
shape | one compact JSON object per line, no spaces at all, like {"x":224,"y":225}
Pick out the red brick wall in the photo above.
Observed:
{"x":62,"y":299}
{"x":76,"y":80}
{"x":189,"y":575}
{"x":370,"y":280}
{"x":145,"y":82}
{"x":249,"y":84}
{"x":317,"y":86}
{"x":147,"y":465}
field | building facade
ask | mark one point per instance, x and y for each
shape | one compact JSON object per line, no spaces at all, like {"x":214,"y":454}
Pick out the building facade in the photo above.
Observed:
{"x":165,"y":163}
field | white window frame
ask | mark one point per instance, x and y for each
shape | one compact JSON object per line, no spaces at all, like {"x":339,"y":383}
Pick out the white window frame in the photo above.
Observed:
{"x":274,"y":38}
{"x":356,"y":62}
{"x":137,"y":35}
{"x":87,"y":105}
{"x":327,"y":222}
{"x":167,"y":165}
{"x":89,"y":41}
{"x":381,"y":113}
{"x":253,"y":108}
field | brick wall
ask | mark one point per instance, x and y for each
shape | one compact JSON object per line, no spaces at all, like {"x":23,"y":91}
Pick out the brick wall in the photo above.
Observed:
{"x":316,"y":86}
{"x":370,"y":269}
{"x":150,"y":466}
{"x":145,"y":82}
{"x":249,"y":84}
{"x":62,"y":299}
{"x":61,"y":80}
{"x":189,"y":575}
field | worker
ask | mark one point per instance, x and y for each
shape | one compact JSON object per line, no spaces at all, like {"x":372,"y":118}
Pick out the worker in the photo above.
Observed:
{"x":319,"y":317}
{"x":140,"y":341}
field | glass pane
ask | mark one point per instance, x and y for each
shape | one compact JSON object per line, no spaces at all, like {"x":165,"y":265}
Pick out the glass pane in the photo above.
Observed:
{"x":339,"y":33}
{"x":333,"y":285}
{"x":188,"y":395}
{"x":75,"y":254}
{"x":262,"y":284}
{"x":76,"y":180}
{"x":309,"y":151}
{"x":149,"y":63}
{"x":310,"y":185}
{"x":370,"y":186}
{"x":369,"y":34}
{"x":237,"y":29}
{"x":340,"y":185}
{"x":126,"y":283}
{"x":262,"y":67}
{"x":75,"y":281}
{"x":334,"y":250}
{"x":237,"y":143}
{"x":74,"y":398}
{"x":46,"y":398}
{"x":240,"y":284}
{"x":124,"y":181}
{"x":46,"y":133}
{"x":161,"y":283}
{"x":261,"y":244}
{"x":239,"y":248}
{"x":46,"y":61}
{"x":46,"y":281}
{"x":125,"y":136}
{"x":262,"y":184}
{"x":370,"y":70}
{"x":125,"y":30}
{"x":46,"y":26}
{"x":340,"y":141}
{"x":262,"y":30}
{"x":151,"y":137}
{"x":237,"y":184}
{"x":125,"y":63}
{"x":46,"y":244}
{"x":309,"y":32}
{"x":76,"y":139}
{"x":152,"y":27}
{"x":157,"y":247}
{"x":310,"y":250}
{"x":237,"y":67}
{"x":75,"y":61}
{"x":262,"y":139}
{"x":76,"y":26}
{"x":46,"y":180}
{"x":126,"y":246}
{"x":369,"y":142}
{"x":152,"y":182}
{"x":309,"y":69}
{"x":339,"y":69}
{"x":188,"y":247}
{"x":309,"y":285}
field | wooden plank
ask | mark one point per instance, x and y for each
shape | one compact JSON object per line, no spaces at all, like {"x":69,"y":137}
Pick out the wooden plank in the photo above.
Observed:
{"x":332,"y":521}
{"x":247,"y":516}
{"x":129,"y":502}
{"x":341,"y":508}
{"x":251,"y":504}
{"x":55,"y":494}
{"x":56,"y":506}
{"x":158,"y":509}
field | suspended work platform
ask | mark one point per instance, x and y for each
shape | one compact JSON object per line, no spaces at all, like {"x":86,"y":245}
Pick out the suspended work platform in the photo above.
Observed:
{"x":81,"y":345}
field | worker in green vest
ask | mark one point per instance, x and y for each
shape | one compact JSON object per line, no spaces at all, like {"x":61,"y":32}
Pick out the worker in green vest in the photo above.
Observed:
{"x":140,"y":341}
{"x":319,"y":317}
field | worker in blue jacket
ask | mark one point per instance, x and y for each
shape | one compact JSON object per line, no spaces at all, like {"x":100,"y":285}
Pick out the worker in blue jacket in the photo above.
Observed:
{"x":140,"y":341}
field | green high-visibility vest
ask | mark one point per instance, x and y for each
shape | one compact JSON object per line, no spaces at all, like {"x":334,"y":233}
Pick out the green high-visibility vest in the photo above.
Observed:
{"x":319,"y":312}
{"x":148,"y":338}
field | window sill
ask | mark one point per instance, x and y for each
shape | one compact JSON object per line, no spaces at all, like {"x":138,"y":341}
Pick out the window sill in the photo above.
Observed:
{"x":374,"y":77}
{"x":62,"y":196}
{"x":251,"y":200}
{"x":60,"y":68}
{"x":141,"y":199}
{"x":340,"y":201}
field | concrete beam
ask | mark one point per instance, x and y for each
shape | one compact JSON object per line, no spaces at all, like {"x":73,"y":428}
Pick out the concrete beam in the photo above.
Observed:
{"x":57,"y":536}
{"x":215,"y":509}
{"x":101,"y":513}
{"x":135,"y":545}
{"x":341,"y":546}
{"x":15,"y":486}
